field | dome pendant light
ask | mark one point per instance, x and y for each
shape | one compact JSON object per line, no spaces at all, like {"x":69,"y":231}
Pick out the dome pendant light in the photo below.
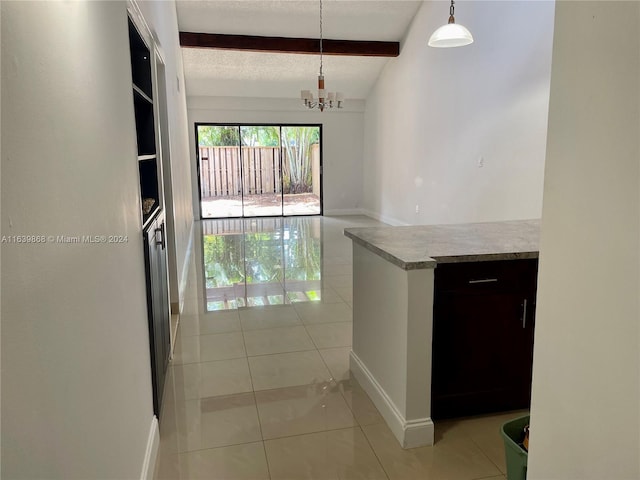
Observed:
{"x":451,"y":34}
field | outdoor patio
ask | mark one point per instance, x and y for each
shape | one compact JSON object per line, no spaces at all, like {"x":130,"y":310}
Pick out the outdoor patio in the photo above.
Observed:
{"x":263,"y":205}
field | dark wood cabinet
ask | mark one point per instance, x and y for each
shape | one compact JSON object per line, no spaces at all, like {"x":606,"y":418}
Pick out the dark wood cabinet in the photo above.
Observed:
{"x":152,"y":205}
{"x":483,"y":330}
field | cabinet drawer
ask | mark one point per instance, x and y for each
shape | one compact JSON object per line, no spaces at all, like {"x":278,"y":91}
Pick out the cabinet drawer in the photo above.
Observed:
{"x":492,"y":276}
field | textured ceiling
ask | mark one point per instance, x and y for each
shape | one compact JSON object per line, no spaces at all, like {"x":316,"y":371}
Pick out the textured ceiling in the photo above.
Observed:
{"x":252,"y":74}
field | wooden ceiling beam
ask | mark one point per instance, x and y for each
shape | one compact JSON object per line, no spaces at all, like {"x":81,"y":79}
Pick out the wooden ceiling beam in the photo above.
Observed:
{"x":309,"y":46}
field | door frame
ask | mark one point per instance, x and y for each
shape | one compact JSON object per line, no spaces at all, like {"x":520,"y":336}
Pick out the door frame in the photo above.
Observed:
{"x":253,"y":124}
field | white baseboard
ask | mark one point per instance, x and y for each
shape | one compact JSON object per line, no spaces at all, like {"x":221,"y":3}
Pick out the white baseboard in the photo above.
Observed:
{"x":410,"y":433}
{"x":384,"y":218}
{"x":336,"y":212}
{"x":151,"y":455}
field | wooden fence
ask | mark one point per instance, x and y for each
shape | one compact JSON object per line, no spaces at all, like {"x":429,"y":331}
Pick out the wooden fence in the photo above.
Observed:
{"x":221,"y":173}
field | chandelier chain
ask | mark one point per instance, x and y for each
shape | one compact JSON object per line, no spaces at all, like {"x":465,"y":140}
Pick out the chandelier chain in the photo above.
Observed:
{"x":320,"y":37}
{"x":451,"y":8}
{"x":325,"y":100}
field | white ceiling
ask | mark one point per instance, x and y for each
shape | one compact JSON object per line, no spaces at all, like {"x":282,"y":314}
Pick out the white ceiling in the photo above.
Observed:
{"x":251,"y":74}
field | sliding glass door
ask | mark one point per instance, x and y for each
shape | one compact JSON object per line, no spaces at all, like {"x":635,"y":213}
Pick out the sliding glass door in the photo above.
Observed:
{"x":259,"y":170}
{"x":301,"y":170}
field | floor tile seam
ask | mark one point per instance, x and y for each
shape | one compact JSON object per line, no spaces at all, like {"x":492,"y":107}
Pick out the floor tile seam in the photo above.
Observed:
{"x":332,"y":346}
{"x":297,"y":386}
{"x":266,"y":456}
{"x":342,"y":392}
{"x":195,"y":450}
{"x":327,"y":430}
{"x":269,"y":328}
{"x":355,"y":427}
{"x":486,"y":456}
{"x":249,"y":368}
{"x":291,"y":386}
{"x":323,"y":323}
{"x":355,"y":420}
{"x":274,"y":328}
{"x":264,"y":449}
{"x":174,"y":365}
{"x":284,"y":353}
{"x":374,"y":452}
{"x":316,"y":346}
{"x":208,"y":361}
{"x":279,"y":353}
{"x":211,"y":397}
{"x":211,"y":334}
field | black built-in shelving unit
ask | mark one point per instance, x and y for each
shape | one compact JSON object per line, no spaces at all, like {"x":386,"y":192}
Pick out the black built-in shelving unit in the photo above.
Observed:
{"x":153,"y":226}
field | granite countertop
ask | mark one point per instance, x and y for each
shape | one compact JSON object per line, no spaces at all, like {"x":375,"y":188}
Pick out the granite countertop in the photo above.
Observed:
{"x":424,"y":246}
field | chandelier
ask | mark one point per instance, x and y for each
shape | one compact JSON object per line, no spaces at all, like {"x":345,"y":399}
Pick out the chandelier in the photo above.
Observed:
{"x":325,"y":99}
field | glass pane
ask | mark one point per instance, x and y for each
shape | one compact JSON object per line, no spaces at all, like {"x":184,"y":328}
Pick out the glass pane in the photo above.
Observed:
{"x":220,"y":172}
{"x":261,"y":170}
{"x":301,"y":170}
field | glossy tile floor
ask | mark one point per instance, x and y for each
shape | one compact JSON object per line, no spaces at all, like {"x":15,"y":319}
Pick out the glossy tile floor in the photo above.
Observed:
{"x":259,"y":386}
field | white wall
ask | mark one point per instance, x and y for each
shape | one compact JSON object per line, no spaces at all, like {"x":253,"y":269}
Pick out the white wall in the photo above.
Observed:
{"x":163,"y":22}
{"x":342,"y":136}
{"x":76,"y":396}
{"x":435,"y":112}
{"x":584,"y":415}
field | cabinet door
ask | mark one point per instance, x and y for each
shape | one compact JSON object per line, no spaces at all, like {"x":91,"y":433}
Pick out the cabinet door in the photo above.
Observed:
{"x":483,"y":341}
{"x":158,"y":308}
{"x":163,"y":314}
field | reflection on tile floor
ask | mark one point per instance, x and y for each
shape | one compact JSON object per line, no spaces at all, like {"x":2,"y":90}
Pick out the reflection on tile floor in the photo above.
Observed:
{"x":263,"y":261}
{"x":259,"y":386}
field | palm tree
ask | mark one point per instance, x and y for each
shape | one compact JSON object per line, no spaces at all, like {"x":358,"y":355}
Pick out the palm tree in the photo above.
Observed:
{"x":296,"y":142}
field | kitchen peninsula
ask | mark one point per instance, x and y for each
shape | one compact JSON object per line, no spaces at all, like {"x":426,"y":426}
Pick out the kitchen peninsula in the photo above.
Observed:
{"x":443,"y":320}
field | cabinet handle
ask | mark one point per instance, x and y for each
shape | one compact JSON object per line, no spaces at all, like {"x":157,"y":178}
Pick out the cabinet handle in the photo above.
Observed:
{"x":524,"y":313}
{"x":161,"y":230}
{"x":485,"y":280}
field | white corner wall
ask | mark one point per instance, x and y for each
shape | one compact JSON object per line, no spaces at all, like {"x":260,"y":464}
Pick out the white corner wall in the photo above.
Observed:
{"x":342,"y":137}
{"x":459,"y":133}
{"x":585,"y":419}
{"x":76,"y":396}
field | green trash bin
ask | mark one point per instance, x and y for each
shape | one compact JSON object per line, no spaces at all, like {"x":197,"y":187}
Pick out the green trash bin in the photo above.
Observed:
{"x":516,"y":456}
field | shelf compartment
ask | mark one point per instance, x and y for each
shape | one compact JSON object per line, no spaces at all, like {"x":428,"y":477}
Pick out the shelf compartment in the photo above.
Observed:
{"x":140,"y":62}
{"x":145,"y":129}
{"x":149,"y":188}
